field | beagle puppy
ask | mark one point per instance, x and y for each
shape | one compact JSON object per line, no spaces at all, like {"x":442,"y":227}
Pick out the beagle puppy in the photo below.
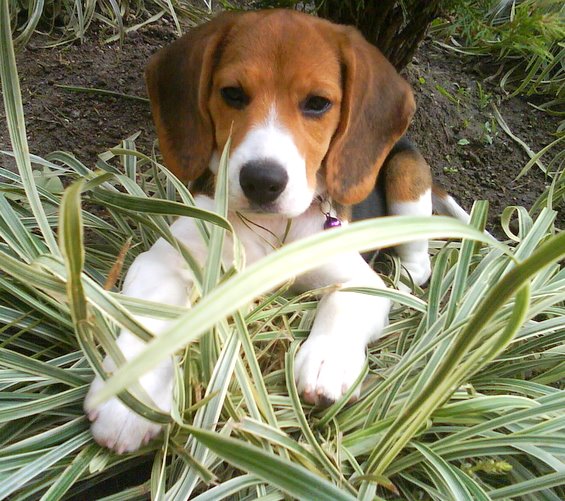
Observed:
{"x":315,"y":113}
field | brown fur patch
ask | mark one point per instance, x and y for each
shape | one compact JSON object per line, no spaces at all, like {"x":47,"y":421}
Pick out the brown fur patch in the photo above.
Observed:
{"x":438,"y":191}
{"x":295,"y":58}
{"x":406,"y":176}
{"x":178,"y":80}
{"x":376,"y":109}
{"x":280,"y":58}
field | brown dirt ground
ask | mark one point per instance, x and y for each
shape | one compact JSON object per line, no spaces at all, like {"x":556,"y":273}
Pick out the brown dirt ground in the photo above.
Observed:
{"x":88,"y":124}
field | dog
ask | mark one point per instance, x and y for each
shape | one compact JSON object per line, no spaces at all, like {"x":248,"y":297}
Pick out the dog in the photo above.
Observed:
{"x":316,"y":116}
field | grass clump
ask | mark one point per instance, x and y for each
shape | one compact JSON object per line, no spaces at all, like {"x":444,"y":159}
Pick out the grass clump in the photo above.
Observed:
{"x":463,"y":392}
{"x":524,"y":40}
{"x":463,"y":397}
{"x":525,"y":37}
{"x":68,"y":20}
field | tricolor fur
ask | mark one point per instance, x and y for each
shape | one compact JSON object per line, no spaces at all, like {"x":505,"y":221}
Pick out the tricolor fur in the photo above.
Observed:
{"x":314,"y":112}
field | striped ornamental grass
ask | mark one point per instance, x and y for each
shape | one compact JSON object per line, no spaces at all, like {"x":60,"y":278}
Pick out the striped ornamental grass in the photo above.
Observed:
{"x":62,"y":21}
{"x":463,"y":397}
{"x":525,"y":38}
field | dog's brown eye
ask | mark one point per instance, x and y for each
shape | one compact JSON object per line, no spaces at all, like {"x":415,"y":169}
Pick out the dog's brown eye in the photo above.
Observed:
{"x":315,"y":106}
{"x":235,"y":97}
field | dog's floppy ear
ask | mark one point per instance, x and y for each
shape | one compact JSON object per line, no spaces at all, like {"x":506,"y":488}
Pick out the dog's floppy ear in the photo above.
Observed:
{"x":178,"y":81}
{"x":376,"y":108}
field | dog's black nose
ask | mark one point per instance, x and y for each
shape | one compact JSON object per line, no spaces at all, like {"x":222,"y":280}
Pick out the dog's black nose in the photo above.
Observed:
{"x":263,"y":181}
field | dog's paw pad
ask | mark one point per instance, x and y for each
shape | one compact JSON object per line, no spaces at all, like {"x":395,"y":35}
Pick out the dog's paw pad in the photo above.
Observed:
{"x":92,"y":415}
{"x":325,"y":370}
{"x":120,"y":429}
{"x":117,"y":427}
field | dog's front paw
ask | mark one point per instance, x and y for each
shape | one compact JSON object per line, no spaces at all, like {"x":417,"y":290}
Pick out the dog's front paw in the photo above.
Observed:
{"x":117,"y":427}
{"x":325,"y":369}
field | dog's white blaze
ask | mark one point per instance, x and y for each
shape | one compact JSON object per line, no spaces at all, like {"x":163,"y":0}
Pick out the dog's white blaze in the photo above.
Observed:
{"x":414,"y":255}
{"x":271,"y":141}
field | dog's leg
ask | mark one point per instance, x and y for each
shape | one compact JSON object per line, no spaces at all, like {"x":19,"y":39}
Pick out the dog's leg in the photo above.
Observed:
{"x":407,"y":184}
{"x":332,"y":357}
{"x":160,"y":275}
{"x":414,"y":256}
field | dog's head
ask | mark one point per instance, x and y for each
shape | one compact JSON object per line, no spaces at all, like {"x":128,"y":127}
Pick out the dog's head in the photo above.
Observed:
{"x":311,"y":108}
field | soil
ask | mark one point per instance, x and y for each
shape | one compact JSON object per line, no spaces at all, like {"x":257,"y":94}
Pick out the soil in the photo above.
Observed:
{"x":457,"y":132}
{"x":454,"y":126}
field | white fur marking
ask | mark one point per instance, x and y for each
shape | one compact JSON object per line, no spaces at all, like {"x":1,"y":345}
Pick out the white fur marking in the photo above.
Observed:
{"x":270,"y":141}
{"x":332,"y":357}
{"x":160,"y":275}
{"x":414,"y":255}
